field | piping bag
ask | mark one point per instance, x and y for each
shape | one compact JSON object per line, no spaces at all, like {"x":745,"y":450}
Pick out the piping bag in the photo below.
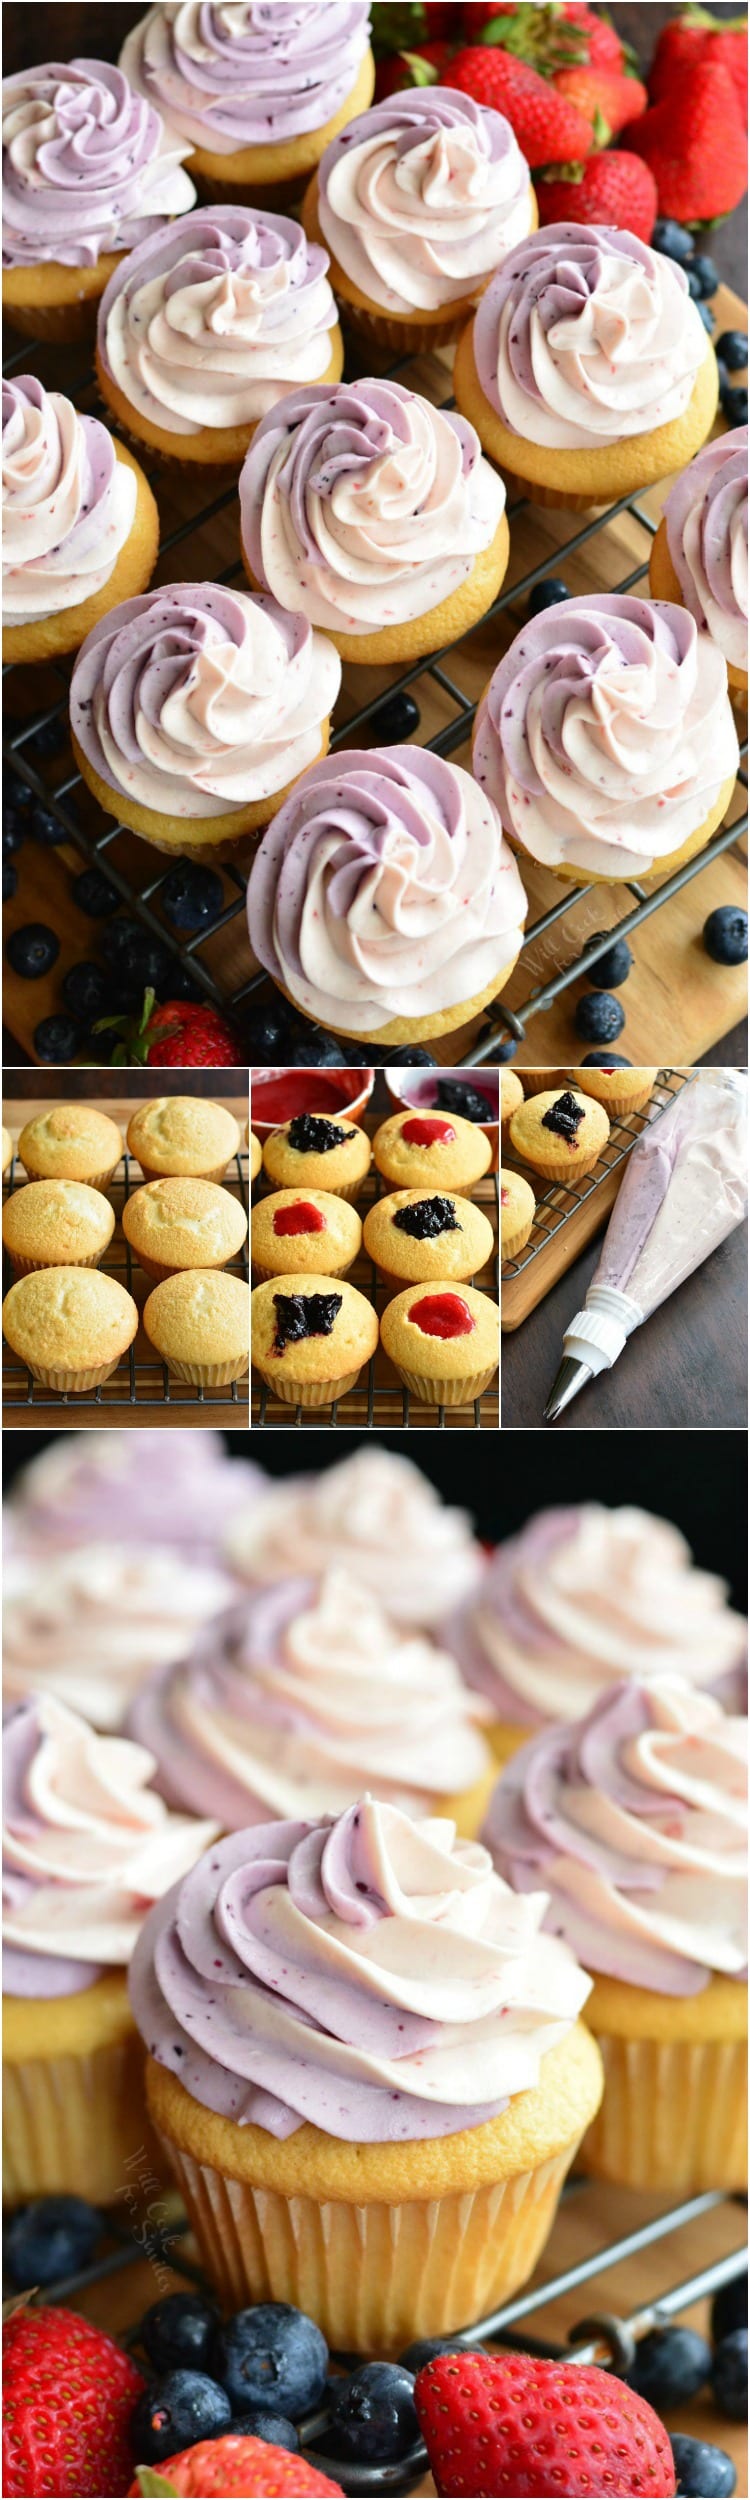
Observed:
{"x":685,"y":1188}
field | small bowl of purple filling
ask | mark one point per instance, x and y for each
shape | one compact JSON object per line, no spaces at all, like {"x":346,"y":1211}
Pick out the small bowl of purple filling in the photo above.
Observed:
{"x":473,"y":1093}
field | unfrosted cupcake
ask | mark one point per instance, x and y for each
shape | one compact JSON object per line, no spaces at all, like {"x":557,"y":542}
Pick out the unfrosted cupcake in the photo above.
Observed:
{"x":619,"y":1089}
{"x":71,"y":1326}
{"x":606,"y":738}
{"x":176,"y":1224}
{"x":257,"y":91}
{"x":205,"y":327}
{"x":310,"y":1336}
{"x":72,"y":1142}
{"x":312,"y":1151}
{"x":121,"y":1487}
{"x":418,"y":200}
{"x":89,"y":170}
{"x":374,"y":514}
{"x":80,"y":525}
{"x":586,"y":369}
{"x":561,"y":1135}
{"x":183,"y":1137}
{"x":199,"y":1323}
{"x":417,"y":1234}
{"x":511,"y":1097}
{"x":383,"y":899}
{"x":298,"y":1229}
{"x":517,"y":1212}
{"x":444,"y":1342}
{"x":256,"y":1154}
{"x":431,"y":1149}
{"x":377,"y":1515}
{"x":634,"y":1822}
{"x":92,"y":1625}
{"x":195,"y":709}
{"x":326,"y":2107}
{"x":699,"y":554}
{"x":56,"y":1224}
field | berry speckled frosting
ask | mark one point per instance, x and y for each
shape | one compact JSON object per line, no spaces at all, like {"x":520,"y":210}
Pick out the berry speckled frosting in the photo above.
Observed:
{"x":231,"y":74}
{"x":88,"y":167}
{"x":68,"y":504}
{"x":421,"y":197}
{"x":91,"y":1625}
{"x":706,"y":520}
{"x":210,"y":323}
{"x":585,"y":335}
{"x":195,"y":699}
{"x":121,"y":1487}
{"x":383,"y":888}
{"x":364,"y":505}
{"x":634,"y":1821}
{"x":606,"y":734}
{"x":378,"y":1516}
{"x":372,"y":1975}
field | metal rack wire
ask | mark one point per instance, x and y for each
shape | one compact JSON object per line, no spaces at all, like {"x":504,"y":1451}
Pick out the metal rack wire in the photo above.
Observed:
{"x":560,"y":1200}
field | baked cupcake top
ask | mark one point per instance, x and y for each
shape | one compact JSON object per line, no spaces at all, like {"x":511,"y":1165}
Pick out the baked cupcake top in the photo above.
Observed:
{"x":584,"y":1596}
{"x":299,"y":1696}
{"x":90,"y":1624}
{"x":302,"y":1228}
{"x":72,"y":1142}
{"x":634,"y":1821}
{"x":114,"y":1487}
{"x":87,"y":1847}
{"x":364,"y":506}
{"x":201,"y":1318}
{"x":706,"y":519}
{"x":381,"y":1981}
{"x":57,"y":1222}
{"x":384,"y":888}
{"x":68,"y":502}
{"x":243,"y":73}
{"x":420,"y":198}
{"x":88,"y":166}
{"x":209,"y":323}
{"x":185,"y":1223}
{"x":585,"y":335}
{"x":606,"y":733}
{"x":314,"y":1327}
{"x":431,"y":1149}
{"x":318,"y":1151}
{"x":378,"y":1516}
{"x":196,"y":699}
{"x":183,"y":1134}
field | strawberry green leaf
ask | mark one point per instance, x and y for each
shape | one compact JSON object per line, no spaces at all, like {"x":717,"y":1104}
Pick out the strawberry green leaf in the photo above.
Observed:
{"x":422,"y":73}
{"x":561,"y":173}
{"x":154,"y":2486}
{"x":601,"y":129}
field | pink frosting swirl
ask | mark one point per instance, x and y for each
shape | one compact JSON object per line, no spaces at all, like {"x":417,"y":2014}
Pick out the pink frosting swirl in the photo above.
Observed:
{"x":68,"y":504}
{"x":231,"y":74}
{"x":88,"y":167}
{"x":212,"y":322}
{"x":585,"y":336}
{"x":115,"y":1487}
{"x":706,"y":518}
{"x":377,"y":1515}
{"x":605,"y":735}
{"x":421,"y":197}
{"x":91,"y":1625}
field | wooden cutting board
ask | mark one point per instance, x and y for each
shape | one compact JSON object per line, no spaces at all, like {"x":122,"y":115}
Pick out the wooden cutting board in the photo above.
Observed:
{"x":523,"y":1287}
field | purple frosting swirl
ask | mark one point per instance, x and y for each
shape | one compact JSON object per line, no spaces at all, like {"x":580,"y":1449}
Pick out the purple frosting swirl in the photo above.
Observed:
{"x":87,"y":168}
{"x":27,"y":1974}
{"x":585,"y":335}
{"x":89,"y":1487}
{"x":228,"y":76}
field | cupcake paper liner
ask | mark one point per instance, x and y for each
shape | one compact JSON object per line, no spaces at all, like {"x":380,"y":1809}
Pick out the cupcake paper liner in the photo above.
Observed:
{"x":334,"y":1267}
{"x":673,"y":2117}
{"x":554,"y":498}
{"x":432,"y":1391}
{"x":70,"y":2124}
{"x":410,"y":338}
{"x":310,"y":1392}
{"x":516,"y":1240}
{"x":94,"y":1180}
{"x":205,"y":1375}
{"x":32,"y":1267}
{"x":150,"y":1172}
{"x":92,"y":1378}
{"x":59,"y":325}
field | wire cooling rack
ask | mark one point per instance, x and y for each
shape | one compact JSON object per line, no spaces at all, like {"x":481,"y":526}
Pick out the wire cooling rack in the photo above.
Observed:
{"x":559,"y":1202}
{"x":389,"y":715}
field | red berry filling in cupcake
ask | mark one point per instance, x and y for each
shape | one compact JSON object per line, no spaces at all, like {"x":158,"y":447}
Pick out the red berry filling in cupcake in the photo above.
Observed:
{"x":442,"y":1315}
{"x":301,"y":1218}
{"x":428,"y":1133}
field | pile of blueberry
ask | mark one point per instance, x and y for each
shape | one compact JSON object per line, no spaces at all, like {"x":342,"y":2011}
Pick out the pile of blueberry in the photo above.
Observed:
{"x":702,"y":275}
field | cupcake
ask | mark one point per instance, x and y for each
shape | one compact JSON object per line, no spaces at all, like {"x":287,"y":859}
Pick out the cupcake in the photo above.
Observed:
{"x":418,"y":1234}
{"x":87,"y":1847}
{"x":634,"y":1822}
{"x":580,"y":1598}
{"x":383,"y":898}
{"x":300,"y":1694}
{"x":72,"y":1142}
{"x":435,"y":1149}
{"x":89,"y":171}
{"x":80,"y":525}
{"x":8,"y":1150}
{"x":586,"y":369}
{"x":329,"y":2115}
{"x":116,"y":1487}
{"x":295,"y":1229}
{"x":444,"y":1343}
{"x":379,"y":1516}
{"x":374,"y":515}
{"x":194,"y":710}
{"x":206,"y":326}
{"x":606,"y":739}
{"x":71,"y":1326}
{"x":517,"y":1212}
{"x":199,"y":1324}
{"x":620,"y":1090}
{"x":511,"y":1098}
{"x":310,"y":1336}
{"x":56,"y":1224}
{"x":562,"y":1136}
{"x":90,"y":1626}
{"x":256,"y":1154}
{"x":418,"y":200}
{"x":174,"y":1224}
{"x":183,"y":1137}
{"x":256,"y":94}
{"x":699,"y":554}
{"x":313,"y":1152}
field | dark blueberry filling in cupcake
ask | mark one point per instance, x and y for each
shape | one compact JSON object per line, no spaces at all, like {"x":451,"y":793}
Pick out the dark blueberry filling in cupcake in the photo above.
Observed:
{"x":564,"y":1117}
{"x":310,"y":1135}
{"x":301,"y":1315}
{"x":430,"y":1217}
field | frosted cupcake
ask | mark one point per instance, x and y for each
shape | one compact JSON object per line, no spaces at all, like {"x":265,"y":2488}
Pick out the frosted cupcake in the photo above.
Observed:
{"x":80,"y":525}
{"x":699,"y":554}
{"x":87,"y":1847}
{"x":383,"y":898}
{"x":91,"y":1626}
{"x":387,"y":2032}
{"x":586,"y":369}
{"x":582,"y":1597}
{"x":418,"y":200}
{"x":257,"y":91}
{"x":606,"y":739}
{"x":116,"y":1488}
{"x":374,"y":514}
{"x":634,"y":1821}
{"x":89,"y":171}
{"x":378,"y":1516}
{"x":205,"y":327}
{"x":194,"y":710}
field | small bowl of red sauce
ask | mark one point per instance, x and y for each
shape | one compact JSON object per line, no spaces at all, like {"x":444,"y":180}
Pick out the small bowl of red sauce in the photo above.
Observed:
{"x":280,"y":1094}
{"x":432,"y":1089}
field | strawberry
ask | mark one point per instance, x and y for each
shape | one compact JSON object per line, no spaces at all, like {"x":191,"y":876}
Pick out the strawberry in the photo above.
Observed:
{"x":548,"y":129}
{"x":425,"y":68}
{"x":68,"y":2396}
{"x":544,"y":33}
{"x":697,"y":36}
{"x":233,"y":2466}
{"x":605,"y":96}
{"x":407,"y":25}
{"x":181,"y":1033}
{"x":695,"y":144}
{"x":507,"y":2422}
{"x":615,"y":189}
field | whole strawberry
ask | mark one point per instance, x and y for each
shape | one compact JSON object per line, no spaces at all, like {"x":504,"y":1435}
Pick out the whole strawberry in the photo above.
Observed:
{"x":425,"y":68}
{"x":605,"y":96}
{"x":548,"y":129}
{"x":68,"y":2397}
{"x":181,"y":1033}
{"x":548,"y":35}
{"x":695,"y":144}
{"x":235,"y":2466}
{"x":616,"y":189}
{"x":696,"y":36}
{"x":509,"y":2423}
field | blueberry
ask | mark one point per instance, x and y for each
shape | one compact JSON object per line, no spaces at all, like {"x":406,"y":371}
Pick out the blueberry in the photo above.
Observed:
{"x":706,"y":316}
{"x":138,"y":960}
{"x":729,"y":2308}
{"x":599,"y":1019}
{"x":33,"y":949}
{"x":86,"y":990}
{"x":610,"y":970}
{"x":49,"y":737}
{"x":695,"y":289}
{"x":675,"y":241}
{"x":266,"y":1033}
{"x":46,"y":826}
{"x":670,"y":2366}
{"x":702,"y":2470}
{"x":10,"y":879}
{"x":178,"y":2332}
{"x":94,"y":894}
{"x":319,"y":1050}
{"x":373,"y":2417}
{"x":271,"y":2356}
{"x":191,"y":895}
{"x":52,"y":2237}
{"x":408,"y":1057}
{"x":731,"y":350}
{"x":14,"y":827}
{"x":16,"y":792}
{"x":604,"y":1059}
{"x":396,"y":718}
{"x":175,"y":2412}
{"x":116,"y":937}
{"x":271,"y":2426}
{"x":547,"y":594}
{"x":453,"y":1095}
{"x":56,"y":1039}
{"x":729,"y":2375}
{"x":706,"y":272}
{"x":734,"y":403}
{"x":504,"y":1052}
{"x":182,"y":982}
{"x":417,"y":2355}
{"x":725,"y":935}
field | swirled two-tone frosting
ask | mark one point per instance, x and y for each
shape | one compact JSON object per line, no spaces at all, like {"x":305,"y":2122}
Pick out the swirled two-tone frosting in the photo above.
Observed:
{"x":88,"y":166}
{"x":299,"y":1699}
{"x":68,"y":504}
{"x":210,"y":323}
{"x":706,"y":519}
{"x":376,"y":1515}
{"x":90,"y":1625}
{"x":585,"y":335}
{"x":421,"y":197}
{"x":606,"y":734}
{"x":364,"y":506}
{"x":194,"y":700}
{"x":231,"y":74}
{"x":584,"y":1596}
{"x":634,"y":1821}
{"x":371,"y":1975}
{"x":87,"y":1847}
{"x":384,"y":888}
{"x":86,"y":1488}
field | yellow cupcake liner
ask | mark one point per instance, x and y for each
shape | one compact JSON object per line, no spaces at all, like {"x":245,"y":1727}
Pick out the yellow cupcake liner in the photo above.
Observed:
{"x":618,"y":1105}
{"x":334,"y":1267}
{"x":152,"y":1172}
{"x":205,"y":1375}
{"x":673,"y":2117}
{"x":160,"y":1273}
{"x":564,"y":1171}
{"x":72,"y":2123}
{"x":32,"y":1267}
{"x":310,"y":1392}
{"x":58,"y":325}
{"x":513,"y":1241}
{"x":93,"y":1180}
{"x":410,"y":338}
{"x":93,"y":1377}
{"x":432,"y":1391}
{"x":554,"y":498}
